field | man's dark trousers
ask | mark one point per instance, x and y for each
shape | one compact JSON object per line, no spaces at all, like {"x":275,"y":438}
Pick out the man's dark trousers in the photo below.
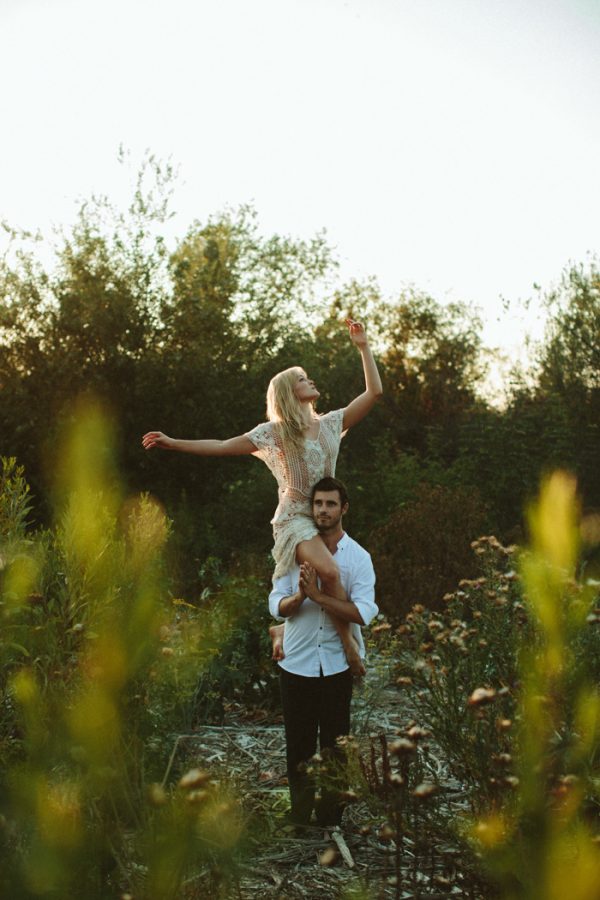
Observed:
{"x":314,"y":706}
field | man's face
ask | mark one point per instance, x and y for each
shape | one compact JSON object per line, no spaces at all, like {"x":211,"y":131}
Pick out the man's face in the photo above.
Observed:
{"x":327,"y":510}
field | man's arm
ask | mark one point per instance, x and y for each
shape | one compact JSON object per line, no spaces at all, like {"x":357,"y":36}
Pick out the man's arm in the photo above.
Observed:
{"x":288,"y":606}
{"x":341,"y":608}
{"x":283,"y":600}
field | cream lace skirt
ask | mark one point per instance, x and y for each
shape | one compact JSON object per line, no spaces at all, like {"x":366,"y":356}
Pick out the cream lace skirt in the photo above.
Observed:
{"x":287,"y":537}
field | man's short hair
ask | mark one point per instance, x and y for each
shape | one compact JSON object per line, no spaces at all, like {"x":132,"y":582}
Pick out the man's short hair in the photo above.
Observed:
{"x":331,"y":484}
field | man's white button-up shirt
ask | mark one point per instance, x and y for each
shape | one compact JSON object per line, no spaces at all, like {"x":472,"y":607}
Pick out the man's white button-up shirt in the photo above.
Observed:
{"x":311,"y":643}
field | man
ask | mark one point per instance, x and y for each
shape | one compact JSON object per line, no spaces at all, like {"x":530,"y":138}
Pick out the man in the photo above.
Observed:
{"x":315,"y":679}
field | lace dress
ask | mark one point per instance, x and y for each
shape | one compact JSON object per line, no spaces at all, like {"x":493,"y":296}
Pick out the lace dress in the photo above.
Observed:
{"x":296,"y":472}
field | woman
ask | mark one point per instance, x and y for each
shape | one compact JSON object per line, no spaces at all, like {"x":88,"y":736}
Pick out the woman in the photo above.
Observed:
{"x":300,"y":448}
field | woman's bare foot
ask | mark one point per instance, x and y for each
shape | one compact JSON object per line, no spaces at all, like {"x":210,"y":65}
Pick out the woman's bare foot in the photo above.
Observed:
{"x":352,"y":652}
{"x":276,"y":632}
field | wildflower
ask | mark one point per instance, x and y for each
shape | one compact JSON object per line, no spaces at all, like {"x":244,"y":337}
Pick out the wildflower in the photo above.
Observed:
{"x":197,"y":797}
{"x":511,"y":781}
{"x":157,"y":795}
{"x":569,"y":780}
{"x":415,"y":733}
{"x":194,"y":778}
{"x":503,"y":759}
{"x":481,"y":696}
{"x":167,"y":651}
{"x":503,"y":724}
{"x":396,"y":780}
{"x":404,"y":679}
{"x":418,"y":608}
{"x":385,"y":626}
{"x":426,"y":647}
{"x":268,"y":775}
{"x":447,"y":598}
{"x":402,"y":747}
{"x":424,"y":790}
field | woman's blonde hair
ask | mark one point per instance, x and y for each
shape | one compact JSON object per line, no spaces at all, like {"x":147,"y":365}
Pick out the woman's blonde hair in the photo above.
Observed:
{"x":284,"y":407}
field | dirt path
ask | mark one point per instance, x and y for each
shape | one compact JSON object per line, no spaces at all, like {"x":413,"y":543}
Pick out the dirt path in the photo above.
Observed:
{"x":361,"y":861}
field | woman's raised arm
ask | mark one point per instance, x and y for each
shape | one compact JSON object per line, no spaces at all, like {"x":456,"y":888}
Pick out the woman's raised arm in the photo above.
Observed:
{"x":236,"y":446}
{"x":361,"y":405}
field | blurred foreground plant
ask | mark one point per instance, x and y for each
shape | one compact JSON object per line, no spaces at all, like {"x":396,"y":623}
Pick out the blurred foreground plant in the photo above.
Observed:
{"x":85,"y":630}
{"x":544,"y":842}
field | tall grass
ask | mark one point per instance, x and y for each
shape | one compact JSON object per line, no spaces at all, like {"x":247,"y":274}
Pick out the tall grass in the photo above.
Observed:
{"x":544,"y":845}
{"x":85,"y":665}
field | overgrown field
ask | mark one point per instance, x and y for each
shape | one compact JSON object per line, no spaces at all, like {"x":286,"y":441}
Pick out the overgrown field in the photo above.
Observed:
{"x":483,"y":783}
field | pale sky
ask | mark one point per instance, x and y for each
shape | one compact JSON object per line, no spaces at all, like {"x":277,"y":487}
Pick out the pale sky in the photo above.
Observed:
{"x":453,"y":145}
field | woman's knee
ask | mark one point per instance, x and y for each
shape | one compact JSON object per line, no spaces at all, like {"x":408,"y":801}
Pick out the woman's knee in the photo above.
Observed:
{"x":329,"y":573}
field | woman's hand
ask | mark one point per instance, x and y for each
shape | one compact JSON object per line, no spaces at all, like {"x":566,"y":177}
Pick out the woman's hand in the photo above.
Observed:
{"x":157,"y":439}
{"x":357,"y":333}
{"x":308,"y":581}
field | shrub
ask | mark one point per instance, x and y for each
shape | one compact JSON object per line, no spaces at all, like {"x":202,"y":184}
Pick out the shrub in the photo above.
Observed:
{"x":424,"y":548}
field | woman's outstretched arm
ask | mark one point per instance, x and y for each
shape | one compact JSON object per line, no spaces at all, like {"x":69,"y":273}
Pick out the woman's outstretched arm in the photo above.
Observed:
{"x":361,"y":405}
{"x":236,"y":446}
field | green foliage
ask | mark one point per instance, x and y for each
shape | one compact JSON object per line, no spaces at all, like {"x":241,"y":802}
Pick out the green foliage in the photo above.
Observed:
{"x":424,"y":547}
{"x":446,"y":656}
{"x":504,"y":683}
{"x":91,"y":655}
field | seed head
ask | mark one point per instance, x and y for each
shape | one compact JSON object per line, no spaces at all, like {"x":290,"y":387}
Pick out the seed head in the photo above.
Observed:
{"x":402,"y":747}
{"x":416,"y":733}
{"x":193,"y":779}
{"x":481,"y":696}
{"x":328,"y":857}
{"x":424,"y":790}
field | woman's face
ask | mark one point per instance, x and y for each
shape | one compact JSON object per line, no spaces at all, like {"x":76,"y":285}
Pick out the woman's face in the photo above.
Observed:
{"x":304,"y":388}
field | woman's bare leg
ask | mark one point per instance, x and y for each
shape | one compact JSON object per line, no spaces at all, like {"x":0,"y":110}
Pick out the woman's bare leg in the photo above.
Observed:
{"x":318,"y":556}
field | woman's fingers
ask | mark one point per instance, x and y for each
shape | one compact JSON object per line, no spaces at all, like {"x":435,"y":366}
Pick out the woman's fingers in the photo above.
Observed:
{"x":354,"y":326}
{"x":150,"y":439}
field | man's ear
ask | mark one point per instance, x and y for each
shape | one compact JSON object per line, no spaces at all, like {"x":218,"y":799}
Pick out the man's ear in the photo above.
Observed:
{"x":345,"y":508}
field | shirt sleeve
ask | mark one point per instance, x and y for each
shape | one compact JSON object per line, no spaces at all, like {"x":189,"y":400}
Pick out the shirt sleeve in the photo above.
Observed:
{"x":283,"y":587}
{"x":362,"y":588}
{"x":334,"y":420}
{"x":261,"y":436}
